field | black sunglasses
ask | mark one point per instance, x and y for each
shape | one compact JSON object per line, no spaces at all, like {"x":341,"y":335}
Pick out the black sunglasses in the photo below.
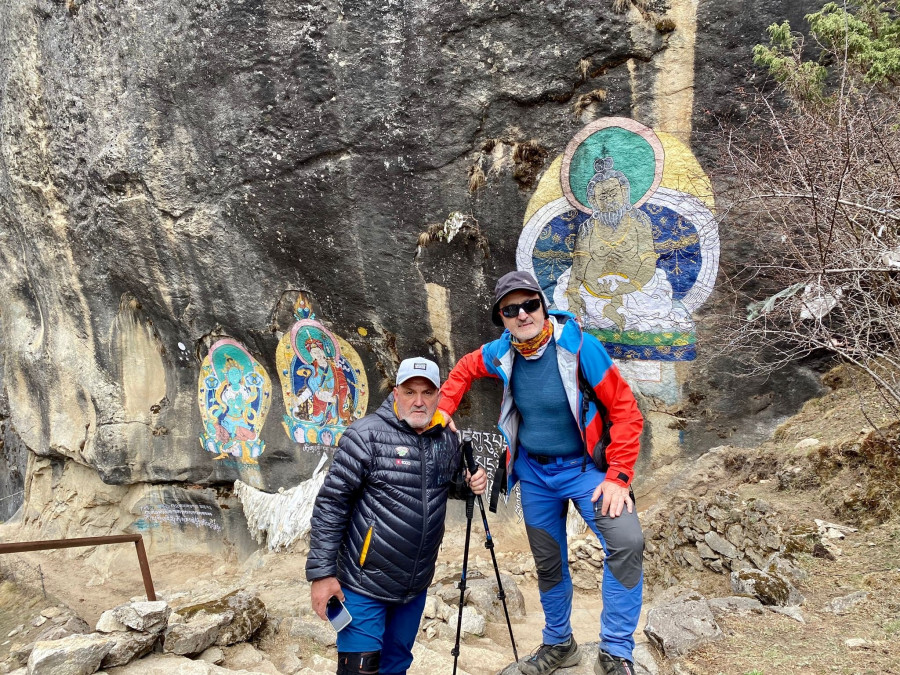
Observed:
{"x":512,"y":311}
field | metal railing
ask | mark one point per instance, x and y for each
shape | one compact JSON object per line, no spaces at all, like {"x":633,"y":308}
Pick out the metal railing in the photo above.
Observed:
{"x":27,"y":546}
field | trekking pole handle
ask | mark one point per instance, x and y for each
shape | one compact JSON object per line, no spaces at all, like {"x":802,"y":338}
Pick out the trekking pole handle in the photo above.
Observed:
{"x":467,"y":452}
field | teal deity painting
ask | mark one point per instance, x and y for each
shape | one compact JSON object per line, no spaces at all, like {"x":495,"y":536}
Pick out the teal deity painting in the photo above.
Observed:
{"x":234,"y":397}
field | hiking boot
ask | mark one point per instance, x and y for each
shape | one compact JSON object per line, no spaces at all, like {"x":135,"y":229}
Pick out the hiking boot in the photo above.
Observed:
{"x":547,"y":658}
{"x":607,"y":664}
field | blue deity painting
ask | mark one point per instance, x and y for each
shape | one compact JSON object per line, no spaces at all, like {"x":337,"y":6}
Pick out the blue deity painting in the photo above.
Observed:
{"x":234,"y":397}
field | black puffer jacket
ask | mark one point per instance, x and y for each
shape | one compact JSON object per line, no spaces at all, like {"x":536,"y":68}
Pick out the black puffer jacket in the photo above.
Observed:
{"x":379,"y":518}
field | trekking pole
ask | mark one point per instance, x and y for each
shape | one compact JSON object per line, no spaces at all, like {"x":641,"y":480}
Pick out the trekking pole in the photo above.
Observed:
{"x":470,"y":509}
{"x":488,"y":539}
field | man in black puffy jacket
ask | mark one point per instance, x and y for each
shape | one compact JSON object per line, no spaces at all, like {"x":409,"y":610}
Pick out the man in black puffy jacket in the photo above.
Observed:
{"x":378,"y":521}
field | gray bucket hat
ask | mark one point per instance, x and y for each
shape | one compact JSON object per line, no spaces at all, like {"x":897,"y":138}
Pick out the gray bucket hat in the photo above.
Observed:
{"x":515,"y":281}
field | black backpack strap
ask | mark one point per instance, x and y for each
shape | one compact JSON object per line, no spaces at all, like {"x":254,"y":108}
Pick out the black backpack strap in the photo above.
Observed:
{"x":588,"y":395}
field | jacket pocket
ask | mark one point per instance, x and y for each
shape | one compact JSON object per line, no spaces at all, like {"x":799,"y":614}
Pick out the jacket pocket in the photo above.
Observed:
{"x":365,"y":547}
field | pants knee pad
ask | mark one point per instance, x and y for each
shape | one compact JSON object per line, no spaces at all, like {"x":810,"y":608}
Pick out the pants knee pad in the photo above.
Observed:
{"x":358,"y":663}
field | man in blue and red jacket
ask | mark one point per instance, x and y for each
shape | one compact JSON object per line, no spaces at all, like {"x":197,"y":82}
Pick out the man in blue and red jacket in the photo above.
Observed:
{"x":572,"y":428}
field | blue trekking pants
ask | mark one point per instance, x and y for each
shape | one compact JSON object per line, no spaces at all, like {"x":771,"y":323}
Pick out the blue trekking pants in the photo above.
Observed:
{"x":546,"y":489}
{"x":390,"y":628}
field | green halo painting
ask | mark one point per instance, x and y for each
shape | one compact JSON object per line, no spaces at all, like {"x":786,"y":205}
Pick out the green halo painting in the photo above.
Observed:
{"x":620,"y":232}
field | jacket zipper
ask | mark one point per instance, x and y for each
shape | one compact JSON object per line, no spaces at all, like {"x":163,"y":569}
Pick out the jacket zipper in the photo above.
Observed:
{"x":422,"y":459}
{"x":514,"y":452}
{"x":582,"y":412}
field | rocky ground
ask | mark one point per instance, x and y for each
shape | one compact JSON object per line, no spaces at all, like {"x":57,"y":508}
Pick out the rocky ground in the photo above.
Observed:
{"x":740,"y":576}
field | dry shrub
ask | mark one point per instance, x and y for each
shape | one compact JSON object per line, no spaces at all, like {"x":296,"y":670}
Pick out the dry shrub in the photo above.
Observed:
{"x":583,"y":101}
{"x":862,"y":477}
{"x":665,"y":25}
{"x":477,"y":178}
{"x":528,"y":160}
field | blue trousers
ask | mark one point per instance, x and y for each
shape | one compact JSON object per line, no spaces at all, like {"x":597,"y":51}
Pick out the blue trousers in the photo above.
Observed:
{"x":546,"y":489}
{"x":390,"y":628}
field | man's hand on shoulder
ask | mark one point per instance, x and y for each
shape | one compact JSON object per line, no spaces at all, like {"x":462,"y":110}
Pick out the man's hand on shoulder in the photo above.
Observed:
{"x":321,"y":591}
{"x":478,"y":482}
{"x":448,"y":418}
{"x":615,"y":498}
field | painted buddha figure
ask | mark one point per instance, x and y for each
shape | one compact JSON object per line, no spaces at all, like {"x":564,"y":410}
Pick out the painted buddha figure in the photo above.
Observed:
{"x":326,"y":387}
{"x":614,"y":253}
{"x":235,"y":399}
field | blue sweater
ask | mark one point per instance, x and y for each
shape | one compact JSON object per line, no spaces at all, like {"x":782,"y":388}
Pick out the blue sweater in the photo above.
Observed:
{"x":547,"y":427}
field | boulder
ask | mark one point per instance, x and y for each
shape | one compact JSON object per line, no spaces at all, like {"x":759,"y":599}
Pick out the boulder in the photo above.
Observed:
{"x":19,"y":653}
{"x":692,"y":558}
{"x":430,"y":610}
{"x":583,"y":580}
{"x":213,"y":655}
{"x":705,"y":551}
{"x":721,"y":545}
{"x":108,"y":623}
{"x":246,"y":611}
{"x":194,"y":635}
{"x":316,"y":665}
{"x":843,"y":604}
{"x":735,"y":534}
{"x":72,"y":624}
{"x":72,"y":655}
{"x":792,"y":611}
{"x":681,"y":625}
{"x":245,"y":656}
{"x":310,"y":629}
{"x":149,"y":617}
{"x":473,"y":622}
{"x":785,"y":568}
{"x":738,"y":604}
{"x":770,"y":589}
{"x":128,"y":646}
{"x":644,"y":661}
{"x":249,"y":615}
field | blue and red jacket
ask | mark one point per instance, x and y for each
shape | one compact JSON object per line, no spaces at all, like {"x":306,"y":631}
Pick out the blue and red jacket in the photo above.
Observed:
{"x":574,"y":350}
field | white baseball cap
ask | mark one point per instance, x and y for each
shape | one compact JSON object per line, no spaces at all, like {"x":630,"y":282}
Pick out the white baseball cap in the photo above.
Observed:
{"x":419,"y":367}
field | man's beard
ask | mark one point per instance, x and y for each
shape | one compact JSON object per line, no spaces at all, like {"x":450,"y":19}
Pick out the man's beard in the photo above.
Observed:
{"x":611,"y":218}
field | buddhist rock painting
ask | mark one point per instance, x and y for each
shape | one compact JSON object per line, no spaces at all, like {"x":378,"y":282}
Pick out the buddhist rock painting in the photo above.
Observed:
{"x":322,"y":379}
{"x":621,"y":232}
{"x":234,"y":397}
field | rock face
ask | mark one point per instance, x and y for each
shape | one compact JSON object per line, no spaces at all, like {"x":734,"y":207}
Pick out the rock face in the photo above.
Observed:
{"x":171,"y":176}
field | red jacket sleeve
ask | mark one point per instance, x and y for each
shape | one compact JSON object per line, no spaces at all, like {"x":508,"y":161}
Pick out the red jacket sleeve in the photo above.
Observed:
{"x":627,"y":423}
{"x":468,"y":369}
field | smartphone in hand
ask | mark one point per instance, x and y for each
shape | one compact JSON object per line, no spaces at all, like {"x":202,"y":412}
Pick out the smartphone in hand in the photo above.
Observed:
{"x":337,"y":614}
